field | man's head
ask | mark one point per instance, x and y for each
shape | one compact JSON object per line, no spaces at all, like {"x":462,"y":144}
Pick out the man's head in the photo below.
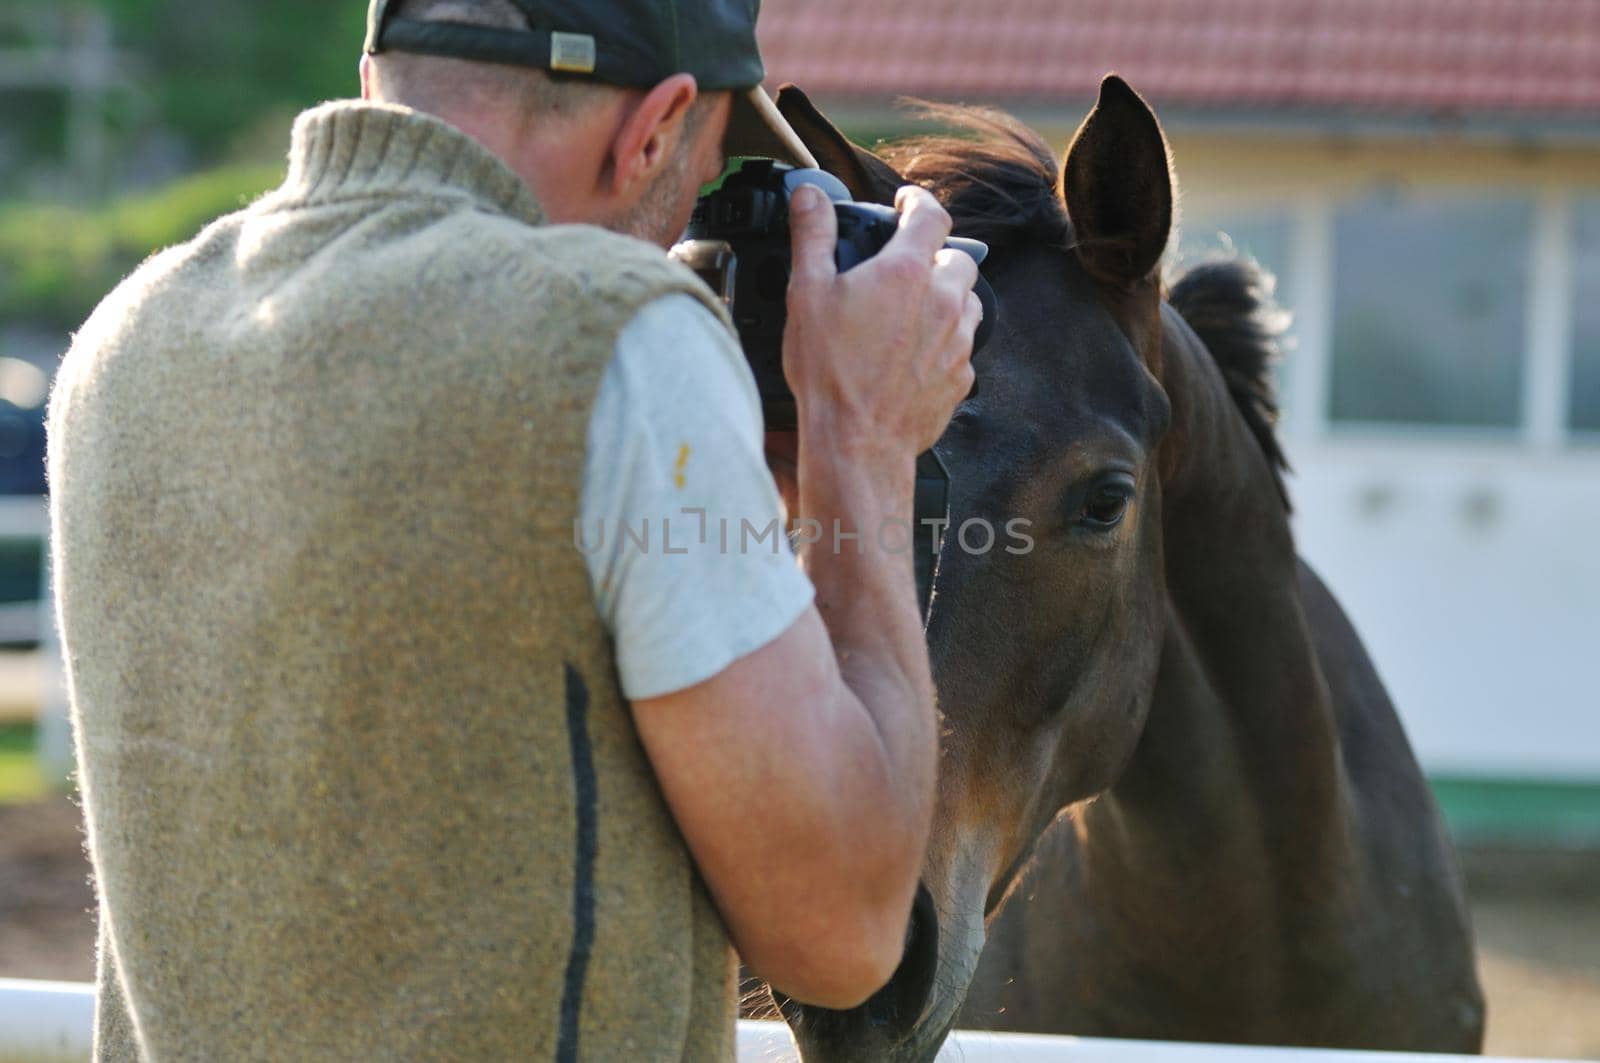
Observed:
{"x":614,"y":112}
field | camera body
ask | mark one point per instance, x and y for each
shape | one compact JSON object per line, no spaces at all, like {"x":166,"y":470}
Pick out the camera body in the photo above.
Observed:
{"x":738,"y":242}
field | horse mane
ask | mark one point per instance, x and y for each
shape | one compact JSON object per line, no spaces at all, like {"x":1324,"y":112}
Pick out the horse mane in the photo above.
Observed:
{"x":995,"y":176}
{"x":1228,"y":301}
{"x":999,"y":181}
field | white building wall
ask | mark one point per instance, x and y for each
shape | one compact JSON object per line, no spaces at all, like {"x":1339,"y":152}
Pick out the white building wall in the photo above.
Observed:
{"x":1473,"y":574}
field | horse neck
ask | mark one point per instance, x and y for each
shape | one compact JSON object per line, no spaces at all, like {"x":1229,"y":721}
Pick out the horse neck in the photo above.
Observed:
{"x":1241,"y":729}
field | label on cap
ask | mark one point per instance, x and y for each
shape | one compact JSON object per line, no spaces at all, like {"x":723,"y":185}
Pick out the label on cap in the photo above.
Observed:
{"x":572,"y":53}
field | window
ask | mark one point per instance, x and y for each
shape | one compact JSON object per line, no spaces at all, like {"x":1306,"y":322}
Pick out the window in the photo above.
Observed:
{"x":1585,"y":395}
{"x":1429,"y":311}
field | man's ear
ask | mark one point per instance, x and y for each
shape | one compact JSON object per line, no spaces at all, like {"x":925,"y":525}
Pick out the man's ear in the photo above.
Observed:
{"x":365,"y":68}
{"x":1118,"y":187}
{"x":869,"y":178}
{"x":648,"y":133}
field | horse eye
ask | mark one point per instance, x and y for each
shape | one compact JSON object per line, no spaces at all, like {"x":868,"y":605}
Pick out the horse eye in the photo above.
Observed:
{"x":1107,"y":504}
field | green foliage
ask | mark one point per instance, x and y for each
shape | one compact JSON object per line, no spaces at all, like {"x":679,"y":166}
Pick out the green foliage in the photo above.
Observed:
{"x":57,"y":262}
{"x":20,"y":779}
{"x":219,"y":65}
{"x":206,"y":70}
{"x":218,"y":73}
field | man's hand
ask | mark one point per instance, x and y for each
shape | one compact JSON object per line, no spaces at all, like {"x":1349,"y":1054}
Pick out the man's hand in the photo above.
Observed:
{"x":880,"y":356}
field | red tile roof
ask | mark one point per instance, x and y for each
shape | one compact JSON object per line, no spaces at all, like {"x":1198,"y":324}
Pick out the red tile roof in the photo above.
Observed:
{"x":1392,"y":55}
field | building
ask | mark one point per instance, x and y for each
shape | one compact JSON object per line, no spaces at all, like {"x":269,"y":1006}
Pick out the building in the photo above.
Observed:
{"x":1424,"y":178}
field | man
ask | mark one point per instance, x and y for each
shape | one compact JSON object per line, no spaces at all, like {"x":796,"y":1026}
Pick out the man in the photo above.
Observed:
{"x":379,"y":763}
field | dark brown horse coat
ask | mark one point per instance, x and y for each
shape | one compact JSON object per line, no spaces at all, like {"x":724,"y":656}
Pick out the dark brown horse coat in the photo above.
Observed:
{"x":1158,"y":704}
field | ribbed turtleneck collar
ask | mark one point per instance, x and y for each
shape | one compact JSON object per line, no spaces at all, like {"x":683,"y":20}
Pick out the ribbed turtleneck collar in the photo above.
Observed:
{"x":352,"y":148}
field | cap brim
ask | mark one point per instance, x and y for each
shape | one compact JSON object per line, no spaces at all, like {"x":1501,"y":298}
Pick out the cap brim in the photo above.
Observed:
{"x":756,"y":127}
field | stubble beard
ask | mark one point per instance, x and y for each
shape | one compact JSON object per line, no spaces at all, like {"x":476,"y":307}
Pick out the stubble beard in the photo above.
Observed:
{"x":654,"y":217}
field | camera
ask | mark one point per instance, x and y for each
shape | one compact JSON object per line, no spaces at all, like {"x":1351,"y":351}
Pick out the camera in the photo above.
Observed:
{"x":738,"y":242}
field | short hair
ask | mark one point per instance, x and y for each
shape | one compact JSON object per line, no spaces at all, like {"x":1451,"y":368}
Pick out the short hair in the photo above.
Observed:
{"x":433,"y":83}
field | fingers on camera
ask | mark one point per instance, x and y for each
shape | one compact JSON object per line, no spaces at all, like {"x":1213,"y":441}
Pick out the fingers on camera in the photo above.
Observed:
{"x":815,"y":231}
{"x":953,"y":294}
{"x":972,"y":316}
{"x":962,"y":265}
{"x":966,"y":379}
{"x":963,"y":376}
{"x":924,"y":224}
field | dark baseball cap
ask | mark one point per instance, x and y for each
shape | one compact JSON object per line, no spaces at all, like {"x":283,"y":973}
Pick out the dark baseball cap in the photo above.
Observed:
{"x":630,"y":43}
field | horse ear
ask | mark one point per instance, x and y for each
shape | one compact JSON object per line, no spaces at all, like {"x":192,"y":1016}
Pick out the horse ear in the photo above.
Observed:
{"x":1118,"y":186}
{"x":869,"y":178}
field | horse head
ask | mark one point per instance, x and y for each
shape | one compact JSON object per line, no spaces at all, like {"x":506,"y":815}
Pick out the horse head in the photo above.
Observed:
{"x":1047,"y":620}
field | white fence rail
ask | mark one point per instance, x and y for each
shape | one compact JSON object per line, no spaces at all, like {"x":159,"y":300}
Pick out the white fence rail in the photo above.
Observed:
{"x":45,"y":1022}
{"x":51,"y":1022}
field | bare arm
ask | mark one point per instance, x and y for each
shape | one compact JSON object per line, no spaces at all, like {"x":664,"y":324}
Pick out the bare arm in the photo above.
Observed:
{"x":802,"y":776}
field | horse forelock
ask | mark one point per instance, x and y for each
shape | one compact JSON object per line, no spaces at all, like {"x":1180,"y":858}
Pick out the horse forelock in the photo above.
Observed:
{"x":996,"y":177}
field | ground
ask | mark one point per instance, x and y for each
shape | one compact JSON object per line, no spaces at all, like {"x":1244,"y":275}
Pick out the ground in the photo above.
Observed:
{"x":46,"y":902}
{"x":1537,"y":916}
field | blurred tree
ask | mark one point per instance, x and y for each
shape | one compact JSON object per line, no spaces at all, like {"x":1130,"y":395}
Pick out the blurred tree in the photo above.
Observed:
{"x":183,"y":84}
{"x":216,"y":66}
{"x":207,"y":70}
{"x":57,"y":261}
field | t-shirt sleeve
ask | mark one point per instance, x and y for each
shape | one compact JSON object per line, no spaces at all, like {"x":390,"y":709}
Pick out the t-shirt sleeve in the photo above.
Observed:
{"x":680,"y":521}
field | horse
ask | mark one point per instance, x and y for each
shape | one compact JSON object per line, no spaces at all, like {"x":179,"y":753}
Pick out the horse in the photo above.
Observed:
{"x":1157,"y":717}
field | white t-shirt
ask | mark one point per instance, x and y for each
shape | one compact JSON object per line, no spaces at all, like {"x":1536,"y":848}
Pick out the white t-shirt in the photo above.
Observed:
{"x":679,"y":519}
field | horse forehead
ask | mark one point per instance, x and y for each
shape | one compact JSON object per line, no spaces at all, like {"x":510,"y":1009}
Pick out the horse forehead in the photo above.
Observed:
{"x":1069,"y":358}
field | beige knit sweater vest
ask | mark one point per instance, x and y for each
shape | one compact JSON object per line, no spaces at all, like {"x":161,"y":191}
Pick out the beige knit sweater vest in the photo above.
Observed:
{"x":359,"y":780}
